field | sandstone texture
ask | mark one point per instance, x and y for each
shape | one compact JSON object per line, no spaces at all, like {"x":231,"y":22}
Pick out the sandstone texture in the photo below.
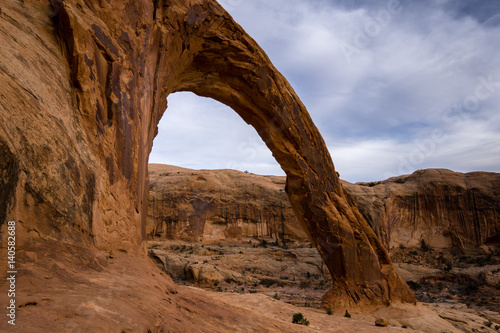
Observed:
{"x":294,"y":274}
{"x":65,"y":288}
{"x":83,"y":86}
{"x":443,"y":208}
{"x":212,"y":205}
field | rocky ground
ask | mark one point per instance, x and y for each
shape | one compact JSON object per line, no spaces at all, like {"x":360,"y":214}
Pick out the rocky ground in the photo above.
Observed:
{"x":463,"y":289}
{"x":450,"y":281}
{"x":293,"y":273}
{"x":438,"y":276}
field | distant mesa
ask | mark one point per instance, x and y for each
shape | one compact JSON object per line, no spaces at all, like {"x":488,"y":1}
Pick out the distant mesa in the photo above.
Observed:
{"x":446,"y":209}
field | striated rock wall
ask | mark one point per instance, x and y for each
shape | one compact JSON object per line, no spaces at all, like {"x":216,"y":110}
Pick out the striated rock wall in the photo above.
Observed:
{"x":83,"y":86}
{"x":444,"y":208}
{"x":207,"y":205}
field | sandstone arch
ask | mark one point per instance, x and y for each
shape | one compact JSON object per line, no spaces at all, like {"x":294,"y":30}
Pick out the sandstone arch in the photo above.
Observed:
{"x":114,"y":64}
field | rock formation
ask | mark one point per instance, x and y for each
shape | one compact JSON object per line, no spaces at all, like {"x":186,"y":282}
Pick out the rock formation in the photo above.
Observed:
{"x":444,"y":208}
{"x":83,"y":86}
{"x":210,"y":205}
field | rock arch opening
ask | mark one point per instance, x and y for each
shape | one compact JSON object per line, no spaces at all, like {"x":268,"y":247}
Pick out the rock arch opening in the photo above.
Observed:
{"x":212,"y":178}
{"x":219,"y":60}
{"x":201,"y":133}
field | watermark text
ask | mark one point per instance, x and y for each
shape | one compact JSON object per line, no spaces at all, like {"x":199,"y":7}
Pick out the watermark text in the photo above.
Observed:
{"x":11,"y":272}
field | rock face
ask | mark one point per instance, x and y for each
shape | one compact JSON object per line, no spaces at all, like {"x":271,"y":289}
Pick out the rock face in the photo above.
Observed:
{"x":444,"y":208}
{"x":83,"y":86}
{"x":211,"y":205}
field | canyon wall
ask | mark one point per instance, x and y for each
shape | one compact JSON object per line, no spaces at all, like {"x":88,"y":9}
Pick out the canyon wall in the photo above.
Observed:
{"x":211,"y":205}
{"x":83,"y":86}
{"x":443,"y":208}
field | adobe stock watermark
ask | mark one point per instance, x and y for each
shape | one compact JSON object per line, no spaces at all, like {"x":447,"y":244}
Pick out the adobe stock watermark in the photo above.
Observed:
{"x":248,"y":151}
{"x":483,"y":91}
{"x":455,"y":115}
{"x":249,"y":148}
{"x":11,"y":272}
{"x":377,"y":23}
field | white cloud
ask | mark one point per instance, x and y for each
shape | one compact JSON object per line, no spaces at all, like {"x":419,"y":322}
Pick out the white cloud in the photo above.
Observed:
{"x":200,"y":133}
{"x":397,"y":89}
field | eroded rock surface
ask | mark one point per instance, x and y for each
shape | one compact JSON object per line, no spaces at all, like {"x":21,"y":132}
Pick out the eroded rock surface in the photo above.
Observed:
{"x":211,"y":205}
{"x":443,"y":208}
{"x":83,"y":86}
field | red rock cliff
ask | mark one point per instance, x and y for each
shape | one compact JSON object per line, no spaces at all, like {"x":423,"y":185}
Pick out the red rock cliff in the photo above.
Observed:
{"x":83,"y":86}
{"x":207,"y":205}
{"x":443,"y":208}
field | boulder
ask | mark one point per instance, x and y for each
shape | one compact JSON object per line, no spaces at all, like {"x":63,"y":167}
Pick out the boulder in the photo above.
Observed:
{"x":382,"y":322}
{"x":203,"y":273}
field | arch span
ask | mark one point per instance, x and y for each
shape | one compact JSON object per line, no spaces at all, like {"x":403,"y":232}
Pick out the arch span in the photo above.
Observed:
{"x":230,"y":67}
{"x":116,"y":62}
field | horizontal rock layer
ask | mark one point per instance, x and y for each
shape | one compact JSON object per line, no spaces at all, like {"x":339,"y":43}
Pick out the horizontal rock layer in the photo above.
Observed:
{"x":444,"y":208}
{"x":206,"y":205}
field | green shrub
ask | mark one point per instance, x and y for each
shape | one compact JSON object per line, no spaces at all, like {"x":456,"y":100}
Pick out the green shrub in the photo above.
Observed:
{"x":471,"y":288}
{"x":298,"y":318}
{"x":485,"y":260}
{"x":448,"y":266}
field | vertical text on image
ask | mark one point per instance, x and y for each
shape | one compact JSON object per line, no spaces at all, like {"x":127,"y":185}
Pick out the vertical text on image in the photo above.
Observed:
{"x":11,"y":271}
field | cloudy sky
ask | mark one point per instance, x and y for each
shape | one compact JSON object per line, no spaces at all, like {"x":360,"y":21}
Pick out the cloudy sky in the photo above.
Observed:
{"x":393,"y":86}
